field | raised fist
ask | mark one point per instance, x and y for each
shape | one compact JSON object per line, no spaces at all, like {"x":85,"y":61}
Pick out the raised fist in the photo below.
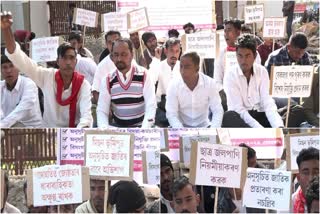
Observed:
{"x":6,"y":20}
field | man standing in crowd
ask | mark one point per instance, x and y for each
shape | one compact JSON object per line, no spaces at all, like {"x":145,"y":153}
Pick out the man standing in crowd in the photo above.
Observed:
{"x":185,"y":197}
{"x":189,"y":98}
{"x":76,"y":41}
{"x":166,"y":181}
{"x":287,"y":10}
{"x":128,"y":91}
{"x":265,"y":49}
{"x":247,"y":90}
{"x":67,"y":97}
{"x":308,"y":165}
{"x":19,"y":98}
{"x":150,"y":41}
{"x":312,"y":196}
{"x":137,"y":49}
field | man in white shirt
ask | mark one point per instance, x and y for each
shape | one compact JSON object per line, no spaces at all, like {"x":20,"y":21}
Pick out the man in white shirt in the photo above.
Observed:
{"x":128,"y":91}
{"x":67,"y":95}
{"x":106,"y":65}
{"x":247,"y":89}
{"x":190,"y":97}
{"x":19,"y":98}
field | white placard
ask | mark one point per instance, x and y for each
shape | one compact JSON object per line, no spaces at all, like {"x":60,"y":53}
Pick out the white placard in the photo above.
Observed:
{"x":274,"y":27}
{"x":138,"y":20}
{"x":187,"y":141}
{"x":268,"y":189}
{"x":108,"y":155}
{"x":114,"y":21}
{"x":151,"y":168}
{"x":204,"y":43}
{"x":297,"y":143}
{"x":230,"y":60}
{"x":217,"y":165}
{"x":253,"y":13}
{"x":85,"y":17}
{"x":56,"y":185}
{"x":291,"y":81}
{"x":44,"y":49}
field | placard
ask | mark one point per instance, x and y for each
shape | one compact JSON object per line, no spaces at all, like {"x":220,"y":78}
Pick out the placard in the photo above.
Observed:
{"x":85,"y":17}
{"x":114,"y":21}
{"x":253,"y":13}
{"x":164,"y":143}
{"x":70,"y":146}
{"x":137,"y":20}
{"x":109,"y":155}
{"x":230,"y":60}
{"x":45,"y":49}
{"x":57,"y":185}
{"x":222,"y":165}
{"x":295,"y":143}
{"x":267,"y":189}
{"x":204,"y":43}
{"x":187,"y":141}
{"x":221,"y":43}
{"x":274,"y":27}
{"x":151,"y":167}
{"x":291,"y":81}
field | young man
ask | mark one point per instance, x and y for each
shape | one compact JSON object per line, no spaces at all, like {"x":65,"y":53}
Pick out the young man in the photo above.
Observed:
{"x":166,"y":181}
{"x":67,"y":97}
{"x":19,"y":98}
{"x":76,"y":41}
{"x":185,"y":197}
{"x":128,"y":91}
{"x":247,"y":90}
{"x":312,"y":196}
{"x":137,"y":48}
{"x":190,"y":97}
{"x":308,"y":164}
{"x":150,"y":41}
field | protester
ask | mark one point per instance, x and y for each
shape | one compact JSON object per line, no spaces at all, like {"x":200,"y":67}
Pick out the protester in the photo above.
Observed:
{"x":8,"y":208}
{"x":166,"y":181}
{"x":150,"y":41}
{"x":202,"y":93}
{"x":173,"y":33}
{"x":127,"y":86}
{"x":67,"y":97}
{"x":265,"y":49}
{"x":127,"y":197}
{"x":76,"y":41}
{"x":287,"y":10}
{"x":188,"y":28}
{"x":312,"y":196}
{"x":19,"y":98}
{"x":137,"y":49}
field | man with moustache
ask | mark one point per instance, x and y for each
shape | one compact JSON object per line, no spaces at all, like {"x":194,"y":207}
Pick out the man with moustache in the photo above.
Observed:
{"x":166,"y":180}
{"x":137,"y":49}
{"x":150,"y":41}
{"x":67,"y":95}
{"x":128,"y":91}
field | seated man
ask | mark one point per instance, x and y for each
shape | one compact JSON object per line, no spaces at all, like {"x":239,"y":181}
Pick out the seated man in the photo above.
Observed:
{"x":247,"y":90}
{"x":67,"y":95}
{"x":19,"y":98}
{"x":127,"y":197}
{"x":312,"y":196}
{"x":190,"y":97}
{"x":128,"y":91}
{"x":166,"y":179}
{"x":96,"y":202}
{"x":185,"y":197}
{"x":308,"y":164}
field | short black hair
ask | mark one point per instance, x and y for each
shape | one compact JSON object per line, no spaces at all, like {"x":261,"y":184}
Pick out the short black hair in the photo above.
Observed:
{"x":194,"y":57}
{"x":299,"y":40}
{"x":310,"y":153}
{"x":246,"y":41}
{"x":125,"y":40}
{"x":312,"y":192}
{"x":173,"y":32}
{"x":246,"y":28}
{"x":110,"y":33}
{"x":146,"y":36}
{"x":172,"y":41}
{"x":62,"y":49}
{"x":76,"y":36}
{"x":251,"y":151}
{"x":5,"y":59}
{"x":180,"y":183}
{"x":235,"y":22}
{"x":189,"y":24}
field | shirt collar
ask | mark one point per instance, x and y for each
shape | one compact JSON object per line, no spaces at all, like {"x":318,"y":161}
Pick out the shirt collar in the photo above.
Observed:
{"x":128,"y":73}
{"x":240,"y":73}
{"x":16,"y":87}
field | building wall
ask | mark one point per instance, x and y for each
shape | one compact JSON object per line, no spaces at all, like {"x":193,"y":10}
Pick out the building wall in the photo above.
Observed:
{"x":39,"y":18}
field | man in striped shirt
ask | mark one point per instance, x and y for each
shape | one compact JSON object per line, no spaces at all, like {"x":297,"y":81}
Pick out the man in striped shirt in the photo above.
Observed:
{"x":127,"y":91}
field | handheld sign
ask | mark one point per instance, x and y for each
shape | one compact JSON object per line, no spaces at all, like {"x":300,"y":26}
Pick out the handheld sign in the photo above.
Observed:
{"x":204,"y":43}
{"x":291,"y":81}
{"x":223,"y":166}
{"x":164,"y":143}
{"x":85,"y":17}
{"x":114,"y":21}
{"x":187,"y":141}
{"x":230,"y":60}
{"x":57,"y":185}
{"x":70,"y":146}
{"x":45,"y":49}
{"x":253,"y":13}
{"x":295,"y":143}
{"x":151,"y":167}
{"x":274,"y":27}
{"x":109,"y":155}
{"x":138,"y":20}
{"x":268,"y":189}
